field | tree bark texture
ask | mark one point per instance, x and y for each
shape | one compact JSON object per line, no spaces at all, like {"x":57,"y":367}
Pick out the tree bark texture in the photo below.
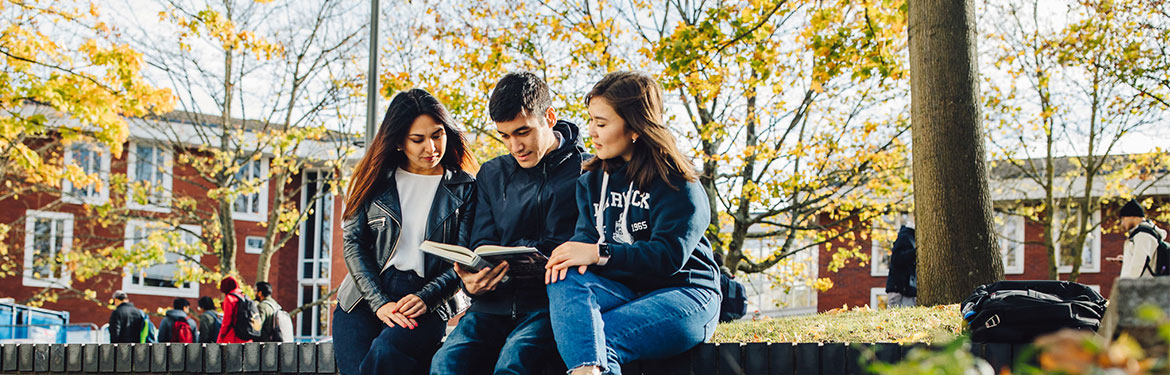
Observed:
{"x":957,"y":249}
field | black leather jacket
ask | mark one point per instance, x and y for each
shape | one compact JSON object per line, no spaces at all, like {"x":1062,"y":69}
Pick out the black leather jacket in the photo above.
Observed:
{"x":371,"y":236}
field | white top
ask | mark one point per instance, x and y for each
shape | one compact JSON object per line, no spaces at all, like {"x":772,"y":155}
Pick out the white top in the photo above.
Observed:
{"x":1137,"y":251}
{"x":416,"y":192}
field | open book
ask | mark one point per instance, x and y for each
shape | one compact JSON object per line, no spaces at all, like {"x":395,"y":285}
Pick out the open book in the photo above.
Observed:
{"x":521,"y":259}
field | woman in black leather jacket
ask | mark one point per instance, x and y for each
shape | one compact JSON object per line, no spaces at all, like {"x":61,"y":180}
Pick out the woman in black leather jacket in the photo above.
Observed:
{"x":410,"y":186}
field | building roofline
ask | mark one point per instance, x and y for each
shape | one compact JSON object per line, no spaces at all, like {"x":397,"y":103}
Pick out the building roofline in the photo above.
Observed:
{"x":181,"y":128}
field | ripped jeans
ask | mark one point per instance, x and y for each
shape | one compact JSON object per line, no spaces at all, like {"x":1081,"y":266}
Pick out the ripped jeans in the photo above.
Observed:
{"x":601,"y":322}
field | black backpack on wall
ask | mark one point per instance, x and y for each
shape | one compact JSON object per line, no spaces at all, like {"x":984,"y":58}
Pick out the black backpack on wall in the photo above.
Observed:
{"x":734,"y":305}
{"x":1019,"y":311}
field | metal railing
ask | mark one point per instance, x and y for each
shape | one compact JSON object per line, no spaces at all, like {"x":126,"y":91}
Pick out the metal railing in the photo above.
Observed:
{"x":74,"y":333}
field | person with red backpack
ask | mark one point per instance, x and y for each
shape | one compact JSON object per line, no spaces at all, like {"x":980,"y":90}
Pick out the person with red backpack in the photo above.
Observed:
{"x":177,"y":326}
{"x":232,"y":299}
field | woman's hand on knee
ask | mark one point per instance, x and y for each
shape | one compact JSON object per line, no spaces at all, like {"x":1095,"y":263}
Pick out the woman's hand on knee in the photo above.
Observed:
{"x":568,"y":255}
{"x":388,"y":315}
{"x":411,"y":306}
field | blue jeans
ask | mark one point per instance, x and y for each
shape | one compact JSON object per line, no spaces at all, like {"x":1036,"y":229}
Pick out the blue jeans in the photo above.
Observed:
{"x":365,"y":345}
{"x":601,"y":322}
{"x":485,"y":343}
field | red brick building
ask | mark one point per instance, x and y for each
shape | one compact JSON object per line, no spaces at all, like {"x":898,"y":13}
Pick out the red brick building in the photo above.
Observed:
{"x":48,"y":224}
{"x":856,"y":284}
{"x":1021,"y":243}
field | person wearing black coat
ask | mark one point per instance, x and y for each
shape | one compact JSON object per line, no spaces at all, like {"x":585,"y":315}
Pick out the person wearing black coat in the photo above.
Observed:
{"x":902,"y":283}
{"x":126,"y":321}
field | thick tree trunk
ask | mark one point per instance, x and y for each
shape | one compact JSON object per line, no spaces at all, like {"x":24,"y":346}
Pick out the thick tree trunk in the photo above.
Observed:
{"x":227,"y":224}
{"x":1050,"y":224}
{"x":227,"y":241}
{"x":957,"y":250}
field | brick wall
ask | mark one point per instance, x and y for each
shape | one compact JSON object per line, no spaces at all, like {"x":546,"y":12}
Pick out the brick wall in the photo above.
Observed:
{"x":88,"y":234}
{"x":852,"y":283}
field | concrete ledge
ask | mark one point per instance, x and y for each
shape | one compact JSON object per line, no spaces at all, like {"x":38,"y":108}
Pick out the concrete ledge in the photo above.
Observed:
{"x":1126,"y":299}
{"x":317,"y":358}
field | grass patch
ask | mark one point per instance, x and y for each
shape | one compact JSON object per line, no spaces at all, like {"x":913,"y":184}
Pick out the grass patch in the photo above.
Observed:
{"x":862,"y":324}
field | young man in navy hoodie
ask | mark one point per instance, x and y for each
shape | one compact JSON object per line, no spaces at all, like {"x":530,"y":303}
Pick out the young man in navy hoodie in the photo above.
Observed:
{"x":525,"y":198}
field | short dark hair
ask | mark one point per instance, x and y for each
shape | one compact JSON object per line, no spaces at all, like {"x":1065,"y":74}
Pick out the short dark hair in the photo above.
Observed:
{"x":518,"y":93}
{"x":180,"y":303}
{"x":206,"y":303}
{"x":264,"y":288}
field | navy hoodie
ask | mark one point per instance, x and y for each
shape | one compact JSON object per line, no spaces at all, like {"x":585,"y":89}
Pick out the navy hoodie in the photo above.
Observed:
{"x":660,"y":244}
{"x":166,"y":327}
{"x":533,"y":207}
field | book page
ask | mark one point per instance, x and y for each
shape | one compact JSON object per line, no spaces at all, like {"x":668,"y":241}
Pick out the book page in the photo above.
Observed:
{"x":453,"y":253}
{"x":446,"y":246}
{"x":494,"y":250}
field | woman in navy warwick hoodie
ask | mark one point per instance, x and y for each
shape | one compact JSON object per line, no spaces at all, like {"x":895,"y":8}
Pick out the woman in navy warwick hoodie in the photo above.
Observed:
{"x":645,"y":281}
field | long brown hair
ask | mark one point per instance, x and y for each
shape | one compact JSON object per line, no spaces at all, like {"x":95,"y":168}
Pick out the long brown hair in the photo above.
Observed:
{"x":637,"y":99}
{"x":383,"y":154}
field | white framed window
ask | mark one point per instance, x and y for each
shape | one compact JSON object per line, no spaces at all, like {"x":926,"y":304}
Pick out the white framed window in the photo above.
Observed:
{"x":253,"y":244}
{"x":93,"y":160}
{"x":315,"y":258}
{"x":1090,"y":256}
{"x":254,"y":205}
{"x":313,"y":323}
{"x":1009,"y":229}
{"x":149,"y":170}
{"x":160,"y":279}
{"x":878,"y":299}
{"x":786,"y":288}
{"x":47,"y":237}
{"x":882,"y":234}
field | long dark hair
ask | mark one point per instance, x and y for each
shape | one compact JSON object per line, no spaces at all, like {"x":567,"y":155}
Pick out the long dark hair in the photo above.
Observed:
{"x":637,"y":99}
{"x":383,"y":154}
